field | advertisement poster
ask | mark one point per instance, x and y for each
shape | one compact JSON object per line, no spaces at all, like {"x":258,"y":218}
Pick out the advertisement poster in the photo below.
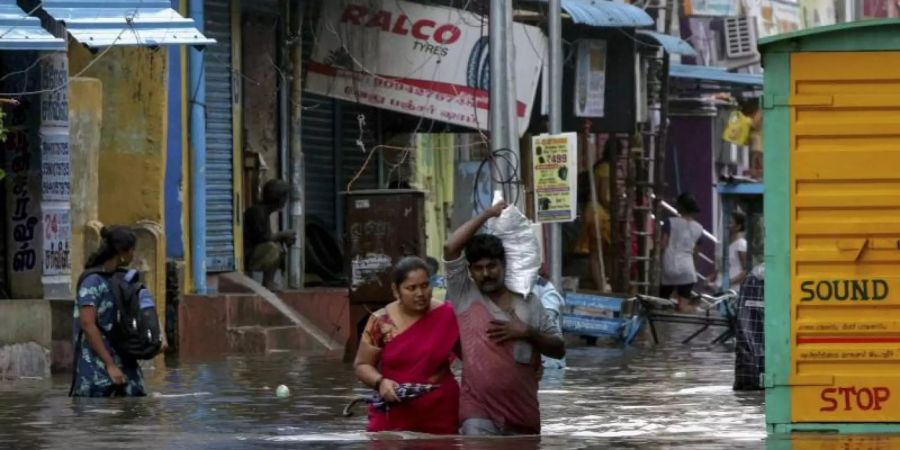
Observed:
{"x":590,"y":78}
{"x":555,"y":159}
{"x":426,"y":61}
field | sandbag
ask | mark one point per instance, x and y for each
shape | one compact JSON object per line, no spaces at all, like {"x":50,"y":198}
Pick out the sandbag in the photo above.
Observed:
{"x":523,"y":252}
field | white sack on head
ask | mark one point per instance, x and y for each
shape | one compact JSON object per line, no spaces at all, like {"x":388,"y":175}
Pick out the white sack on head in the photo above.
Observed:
{"x":523,"y":252}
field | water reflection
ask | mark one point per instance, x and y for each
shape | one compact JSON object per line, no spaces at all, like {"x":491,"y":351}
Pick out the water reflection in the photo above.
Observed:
{"x":669,"y":396}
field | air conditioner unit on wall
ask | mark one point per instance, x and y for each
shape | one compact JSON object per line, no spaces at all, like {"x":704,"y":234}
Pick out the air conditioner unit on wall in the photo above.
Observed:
{"x":740,"y":38}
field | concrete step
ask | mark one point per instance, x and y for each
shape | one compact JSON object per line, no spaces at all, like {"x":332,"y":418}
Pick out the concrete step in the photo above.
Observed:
{"x":252,"y":310}
{"x":260,"y":340}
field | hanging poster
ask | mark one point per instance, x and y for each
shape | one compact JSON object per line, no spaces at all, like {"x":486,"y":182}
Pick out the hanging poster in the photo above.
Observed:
{"x":590,"y":78}
{"x":555,"y":162}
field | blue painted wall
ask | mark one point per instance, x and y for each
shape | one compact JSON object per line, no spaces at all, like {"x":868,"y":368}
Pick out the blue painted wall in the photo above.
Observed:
{"x":173,"y":183}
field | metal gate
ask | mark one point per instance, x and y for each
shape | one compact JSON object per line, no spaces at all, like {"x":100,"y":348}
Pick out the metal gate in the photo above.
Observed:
{"x":220,"y":99}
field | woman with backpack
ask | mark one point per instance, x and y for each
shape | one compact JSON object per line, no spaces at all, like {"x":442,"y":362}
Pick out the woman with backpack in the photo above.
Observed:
{"x":100,"y":369}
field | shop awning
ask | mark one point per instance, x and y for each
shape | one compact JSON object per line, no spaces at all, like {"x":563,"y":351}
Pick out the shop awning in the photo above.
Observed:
{"x":669,"y":43}
{"x":19,"y":31}
{"x":117,"y":23}
{"x":714,"y":74}
{"x":606,"y":13}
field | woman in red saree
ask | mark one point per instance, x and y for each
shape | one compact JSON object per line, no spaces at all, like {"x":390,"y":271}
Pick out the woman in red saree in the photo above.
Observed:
{"x":412,"y":340}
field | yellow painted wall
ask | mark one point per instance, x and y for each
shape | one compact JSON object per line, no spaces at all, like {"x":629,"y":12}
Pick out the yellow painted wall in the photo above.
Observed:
{"x":132,"y":145}
{"x":133,"y":136}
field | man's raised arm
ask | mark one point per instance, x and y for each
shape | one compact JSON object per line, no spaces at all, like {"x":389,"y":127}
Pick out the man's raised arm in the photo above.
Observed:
{"x":454,"y":246}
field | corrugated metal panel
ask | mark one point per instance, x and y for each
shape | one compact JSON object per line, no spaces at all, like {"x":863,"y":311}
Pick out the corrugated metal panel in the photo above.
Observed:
{"x":219,"y":139}
{"x":319,"y":155}
{"x":19,"y":31}
{"x":669,"y":43}
{"x":121,"y":23}
{"x":605,"y":13}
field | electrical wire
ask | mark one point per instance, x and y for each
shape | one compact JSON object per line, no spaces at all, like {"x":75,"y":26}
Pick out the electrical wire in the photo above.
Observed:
{"x":511,"y":185}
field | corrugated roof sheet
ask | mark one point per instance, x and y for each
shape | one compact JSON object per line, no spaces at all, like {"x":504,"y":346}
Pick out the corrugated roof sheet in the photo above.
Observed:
{"x":706,"y":73}
{"x":19,"y":31}
{"x":669,"y":43}
{"x":605,"y":13}
{"x":115,"y":23}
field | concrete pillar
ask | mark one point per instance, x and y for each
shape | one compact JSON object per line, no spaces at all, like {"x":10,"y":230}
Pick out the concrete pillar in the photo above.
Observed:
{"x":85,"y":122}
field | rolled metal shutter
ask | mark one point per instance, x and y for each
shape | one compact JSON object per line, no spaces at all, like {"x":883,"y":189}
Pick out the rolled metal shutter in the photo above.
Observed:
{"x":318,"y":129}
{"x":220,"y":252}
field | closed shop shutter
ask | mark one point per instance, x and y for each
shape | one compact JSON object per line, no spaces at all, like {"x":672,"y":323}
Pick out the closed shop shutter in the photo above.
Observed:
{"x":318,"y":137}
{"x":220,"y":252}
{"x":318,"y":151}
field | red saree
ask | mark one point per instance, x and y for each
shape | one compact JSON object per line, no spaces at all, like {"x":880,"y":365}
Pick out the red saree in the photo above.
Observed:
{"x":414,"y":356}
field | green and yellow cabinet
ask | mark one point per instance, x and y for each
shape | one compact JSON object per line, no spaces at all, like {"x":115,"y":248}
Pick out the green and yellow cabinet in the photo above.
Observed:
{"x":832,"y":209}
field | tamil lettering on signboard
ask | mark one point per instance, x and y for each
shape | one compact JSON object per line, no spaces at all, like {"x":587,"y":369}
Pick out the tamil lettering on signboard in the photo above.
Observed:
{"x":55,"y":166}
{"x":23,"y":204}
{"x":57,"y":241}
{"x":54,"y":87}
{"x":428,"y":61}
{"x":555,"y":162}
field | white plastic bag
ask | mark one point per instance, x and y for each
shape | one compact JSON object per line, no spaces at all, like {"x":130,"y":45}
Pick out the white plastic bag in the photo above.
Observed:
{"x":523,"y":252}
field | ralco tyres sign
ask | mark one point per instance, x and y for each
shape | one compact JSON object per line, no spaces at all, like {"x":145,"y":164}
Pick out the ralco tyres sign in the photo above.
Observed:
{"x":427,"y":61}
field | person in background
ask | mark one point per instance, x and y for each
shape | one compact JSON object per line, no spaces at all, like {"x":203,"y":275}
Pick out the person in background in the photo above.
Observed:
{"x":553,"y":302}
{"x":265,"y":249}
{"x":586,"y":243}
{"x":99,"y":371}
{"x":503,"y":335}
{"x":412,"y":340}
{"x":737,"y":252}
{"x":679,"y":244}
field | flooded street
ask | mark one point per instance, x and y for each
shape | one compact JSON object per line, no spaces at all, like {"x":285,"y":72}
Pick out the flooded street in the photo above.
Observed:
{"x":670,"y":396}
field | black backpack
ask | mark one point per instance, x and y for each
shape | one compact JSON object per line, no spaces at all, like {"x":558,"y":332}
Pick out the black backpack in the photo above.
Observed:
{"x":136,"y":332}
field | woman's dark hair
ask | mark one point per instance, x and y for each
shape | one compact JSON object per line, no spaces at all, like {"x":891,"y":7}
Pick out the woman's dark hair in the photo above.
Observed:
{"x":275,"y":192}
{"x":114,"y":240}
{"x":406,"y":266}
{"x":740,"y":219}
{"x":687,"y":204}
{"x":483,"y":246}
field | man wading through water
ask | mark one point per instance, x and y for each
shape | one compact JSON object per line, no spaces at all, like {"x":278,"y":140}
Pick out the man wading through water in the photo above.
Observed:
{"x":503,"y":335}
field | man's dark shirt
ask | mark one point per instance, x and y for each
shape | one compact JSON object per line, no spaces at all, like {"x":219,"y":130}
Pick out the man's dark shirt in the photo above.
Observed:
{"x":257,"y":228}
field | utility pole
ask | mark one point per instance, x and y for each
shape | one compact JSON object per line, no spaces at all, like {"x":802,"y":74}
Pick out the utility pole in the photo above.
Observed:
{"x":504,"y":128}
{"x":556,"y":62}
